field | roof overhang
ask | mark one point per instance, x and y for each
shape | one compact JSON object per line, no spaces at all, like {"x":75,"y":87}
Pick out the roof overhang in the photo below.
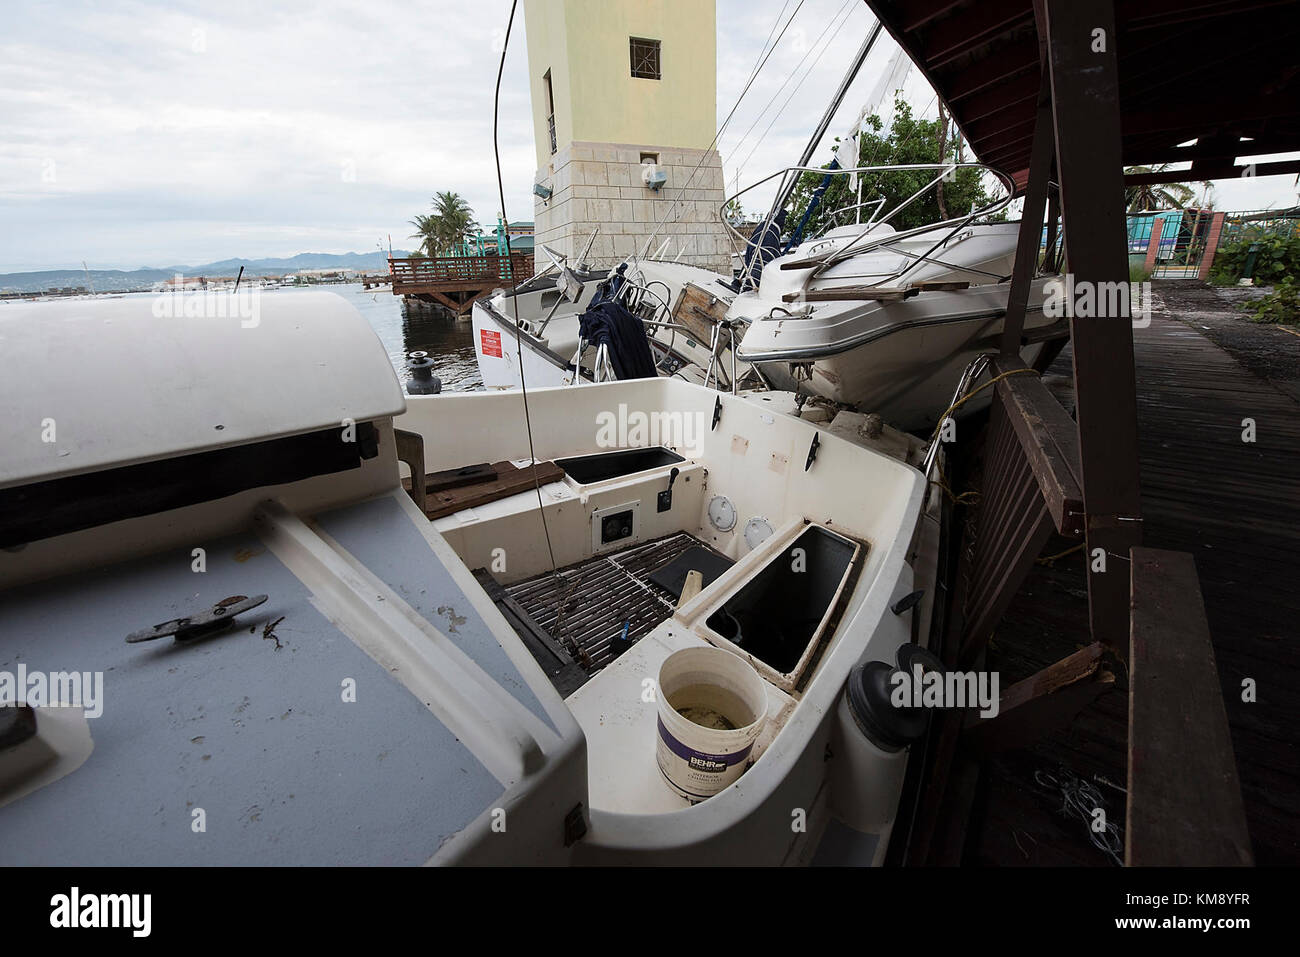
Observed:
{"x":1220,"y":72}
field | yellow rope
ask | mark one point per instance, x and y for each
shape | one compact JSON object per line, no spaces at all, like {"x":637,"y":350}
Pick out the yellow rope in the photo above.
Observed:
{"x":1069,"y":551}
{"x":971,"y":394}
{"x":971,"y":497}
{"x":965,"y":498}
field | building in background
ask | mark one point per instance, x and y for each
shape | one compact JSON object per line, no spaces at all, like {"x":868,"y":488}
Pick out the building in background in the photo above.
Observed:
{"x":493,"y":243}
{"x":623,"y":96}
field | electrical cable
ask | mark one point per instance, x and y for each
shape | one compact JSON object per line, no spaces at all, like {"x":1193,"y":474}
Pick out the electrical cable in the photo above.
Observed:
{"x":718,"y":135}
{"x":514,"y":295}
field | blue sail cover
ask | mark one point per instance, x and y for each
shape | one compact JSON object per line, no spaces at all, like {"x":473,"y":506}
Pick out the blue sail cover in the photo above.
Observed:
{"x":764,"y":246}
{"x":814,"y":201}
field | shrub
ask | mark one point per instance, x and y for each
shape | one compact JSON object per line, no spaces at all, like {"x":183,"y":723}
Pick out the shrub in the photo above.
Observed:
{"x":1276,"y":258}
{"x":1281,"y":305}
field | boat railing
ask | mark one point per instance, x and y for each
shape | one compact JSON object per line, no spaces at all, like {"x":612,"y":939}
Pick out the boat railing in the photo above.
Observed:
{"x":865,"y":241}
{"x":833,"y":218}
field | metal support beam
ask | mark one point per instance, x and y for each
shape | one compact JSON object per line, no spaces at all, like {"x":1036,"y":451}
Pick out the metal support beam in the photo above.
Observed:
{"x":1081,"y":39}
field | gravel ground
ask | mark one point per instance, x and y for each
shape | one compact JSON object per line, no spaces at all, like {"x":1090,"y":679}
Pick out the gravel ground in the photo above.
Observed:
{"x":1269,"y":351}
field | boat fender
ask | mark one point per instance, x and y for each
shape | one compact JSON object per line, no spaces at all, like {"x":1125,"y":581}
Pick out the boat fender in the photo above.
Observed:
{"x":870,"y":688}
{"x":907,"y":602}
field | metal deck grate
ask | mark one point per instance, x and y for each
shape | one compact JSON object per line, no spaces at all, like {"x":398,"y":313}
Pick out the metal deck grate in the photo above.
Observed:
{"x":586,"y":605}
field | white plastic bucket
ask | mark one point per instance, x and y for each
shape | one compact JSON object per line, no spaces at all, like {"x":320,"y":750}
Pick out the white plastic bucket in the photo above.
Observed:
{"x":725,"y":704}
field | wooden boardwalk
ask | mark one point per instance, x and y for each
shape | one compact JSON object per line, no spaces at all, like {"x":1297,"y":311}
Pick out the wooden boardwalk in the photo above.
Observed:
{"x":1235,"y":506}
{"x":457,"y":282}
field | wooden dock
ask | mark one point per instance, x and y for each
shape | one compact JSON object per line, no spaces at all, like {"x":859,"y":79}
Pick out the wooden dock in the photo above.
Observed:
{"x":456,"y":282}
{"x":1235,"y":506}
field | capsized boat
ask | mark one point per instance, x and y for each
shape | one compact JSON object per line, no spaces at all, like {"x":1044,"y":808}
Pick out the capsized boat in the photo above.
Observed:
{"x":308,"y":658}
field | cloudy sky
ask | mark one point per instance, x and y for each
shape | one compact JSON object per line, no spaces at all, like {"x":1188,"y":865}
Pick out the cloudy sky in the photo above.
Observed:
{"x":152,"y":134}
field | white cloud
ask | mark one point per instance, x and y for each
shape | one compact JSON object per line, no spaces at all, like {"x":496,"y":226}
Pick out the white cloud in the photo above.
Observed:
{"x":146,"y":133}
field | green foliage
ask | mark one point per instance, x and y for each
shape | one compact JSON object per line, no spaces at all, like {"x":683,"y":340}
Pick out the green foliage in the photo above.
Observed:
{"x":1281,"y":305}
{"x":1140,"y":199}
{"x":908,"y":140}
{"x":1276,"y":258}
{"x":451,"y":223}
{"x":1138,"y":274}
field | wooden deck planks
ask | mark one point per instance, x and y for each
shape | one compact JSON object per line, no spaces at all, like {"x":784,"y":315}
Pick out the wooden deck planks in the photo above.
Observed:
{"x":1235,"y":506}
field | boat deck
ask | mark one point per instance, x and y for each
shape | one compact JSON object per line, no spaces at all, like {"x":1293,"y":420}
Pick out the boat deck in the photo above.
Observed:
{"x":1236,"y":507}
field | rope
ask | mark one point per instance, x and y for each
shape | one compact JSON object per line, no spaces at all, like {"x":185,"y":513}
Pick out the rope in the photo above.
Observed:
{"x":965,"y":498}
{"x":970,"y":395}
{"x":971,"y":497}
{"x":844,"y":12}
{"x":1051,"y":559}
{"x":721,"y":129}
{"x":1080,"y":799}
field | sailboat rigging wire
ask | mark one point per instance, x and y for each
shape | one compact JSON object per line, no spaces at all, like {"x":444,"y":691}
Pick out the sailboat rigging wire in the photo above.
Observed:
{"x":843,"y":12}
{"x":718,"y":135}
{"x":514,"y":295}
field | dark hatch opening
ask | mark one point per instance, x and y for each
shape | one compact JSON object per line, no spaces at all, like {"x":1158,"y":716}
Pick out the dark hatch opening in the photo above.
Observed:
{"x":29,"y":513}
{"x":585,"y":469}
{"x":777,"y":613}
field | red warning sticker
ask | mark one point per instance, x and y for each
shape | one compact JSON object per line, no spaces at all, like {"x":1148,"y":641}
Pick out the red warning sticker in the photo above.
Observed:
{"x":491,"y":342}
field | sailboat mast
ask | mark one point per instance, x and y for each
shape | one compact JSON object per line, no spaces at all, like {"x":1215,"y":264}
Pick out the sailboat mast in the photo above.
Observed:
{"x":788,"y":184}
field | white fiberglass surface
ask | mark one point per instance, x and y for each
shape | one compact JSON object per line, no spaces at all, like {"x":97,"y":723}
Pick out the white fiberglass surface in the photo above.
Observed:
{"x":758,"y":459}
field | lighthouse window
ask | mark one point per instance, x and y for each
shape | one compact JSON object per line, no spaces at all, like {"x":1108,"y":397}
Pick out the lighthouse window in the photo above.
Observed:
{"x":645,"y":58}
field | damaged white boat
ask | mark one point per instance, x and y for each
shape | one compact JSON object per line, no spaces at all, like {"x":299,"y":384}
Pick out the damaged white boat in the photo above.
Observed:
{"x":872,"y":318}
{"x":682,"y":308}
{"x":885,"y":320}
{"x":305,"y":662}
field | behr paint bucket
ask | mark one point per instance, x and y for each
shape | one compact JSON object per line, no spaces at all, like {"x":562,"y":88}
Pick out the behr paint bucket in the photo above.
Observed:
{"x":712,"y":705}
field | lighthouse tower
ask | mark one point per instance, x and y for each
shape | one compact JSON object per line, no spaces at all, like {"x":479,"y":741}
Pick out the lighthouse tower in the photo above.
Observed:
{"x":623,"y":95}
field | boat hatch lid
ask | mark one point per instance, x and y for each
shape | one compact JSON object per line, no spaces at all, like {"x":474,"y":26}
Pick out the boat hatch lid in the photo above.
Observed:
{"x":299,"y":740}
{"x":98,"y":383}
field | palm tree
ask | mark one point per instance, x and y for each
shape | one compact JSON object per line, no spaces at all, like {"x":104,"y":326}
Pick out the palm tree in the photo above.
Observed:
{"x":450,"y":224}
{"x":1138,"y":199}
{"x":426,"y":232}
{"x":455,"y":219}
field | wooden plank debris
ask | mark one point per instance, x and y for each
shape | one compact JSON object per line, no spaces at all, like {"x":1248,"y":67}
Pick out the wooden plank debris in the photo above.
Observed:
{"x":507,"y":480}
{"x":1178,"y":727}
{"x":853,"y":293}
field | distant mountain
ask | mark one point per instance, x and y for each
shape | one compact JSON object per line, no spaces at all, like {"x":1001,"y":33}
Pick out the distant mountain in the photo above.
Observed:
{"x":117,"y":280}
{"x":229,"y":267}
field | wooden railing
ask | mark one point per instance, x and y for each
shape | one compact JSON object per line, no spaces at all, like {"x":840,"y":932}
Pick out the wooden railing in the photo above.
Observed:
{"x":460,"y":270}
{"x":1030,"y":490}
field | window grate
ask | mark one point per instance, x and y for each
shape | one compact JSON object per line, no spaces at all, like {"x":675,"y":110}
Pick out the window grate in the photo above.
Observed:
{"x":645,"y":58}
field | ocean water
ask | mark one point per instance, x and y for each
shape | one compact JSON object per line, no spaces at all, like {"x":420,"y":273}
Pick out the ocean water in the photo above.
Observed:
{"x":449,"y":342}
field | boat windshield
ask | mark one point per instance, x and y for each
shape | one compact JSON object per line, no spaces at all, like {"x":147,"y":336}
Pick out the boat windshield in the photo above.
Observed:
{"x":869,"y":235}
